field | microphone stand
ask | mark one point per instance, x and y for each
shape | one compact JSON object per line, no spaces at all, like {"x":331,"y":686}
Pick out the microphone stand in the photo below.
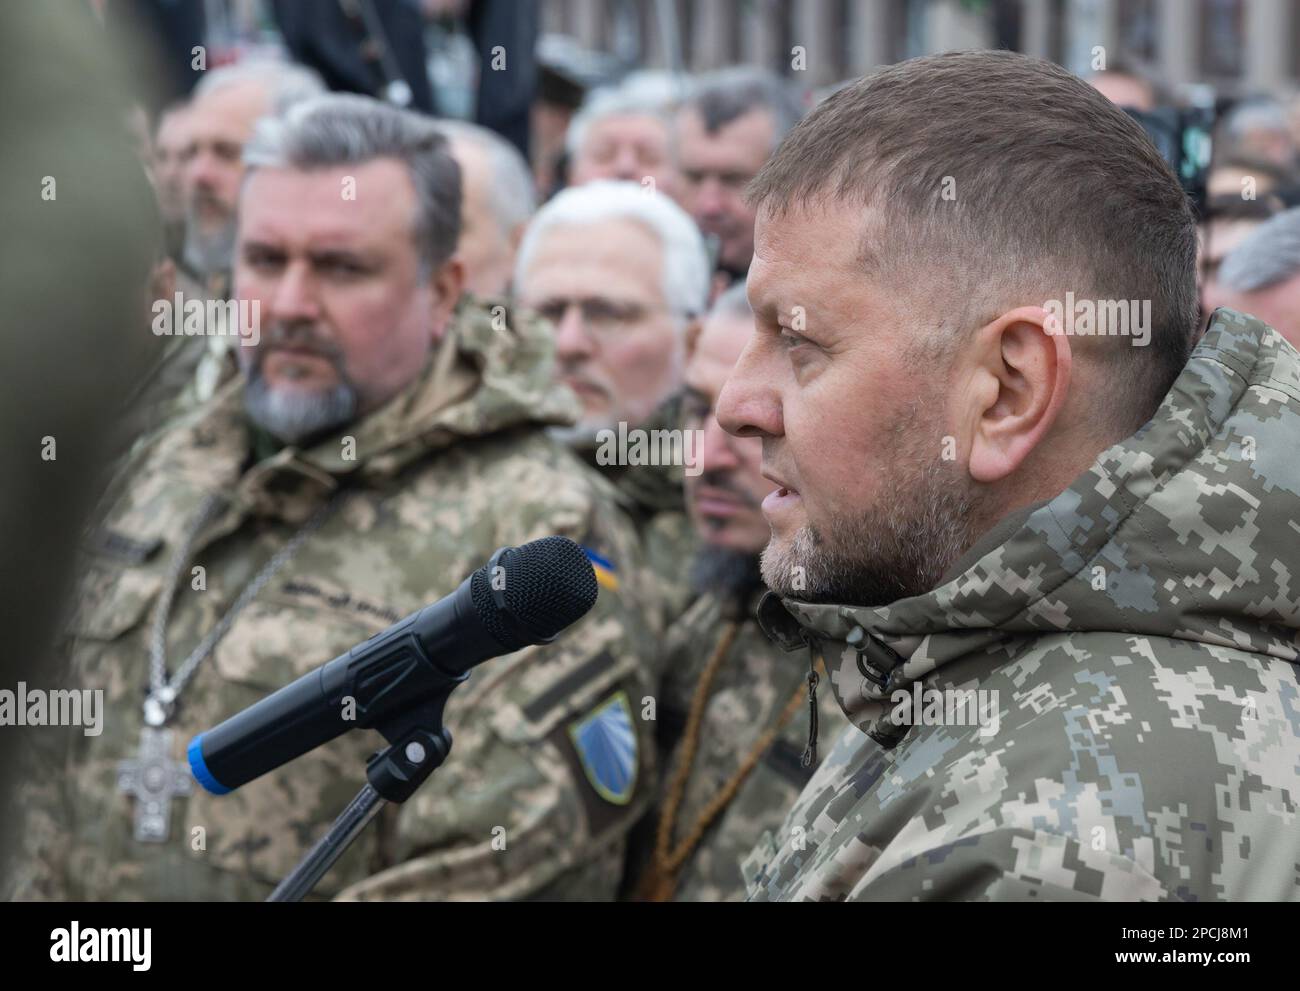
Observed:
{"x":415,"y":751}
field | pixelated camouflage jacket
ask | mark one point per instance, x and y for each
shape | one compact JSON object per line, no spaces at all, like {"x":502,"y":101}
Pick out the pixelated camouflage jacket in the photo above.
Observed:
{"x":449,"y":470}
{"x":1140,"y":631}
{"x":746,"y":700}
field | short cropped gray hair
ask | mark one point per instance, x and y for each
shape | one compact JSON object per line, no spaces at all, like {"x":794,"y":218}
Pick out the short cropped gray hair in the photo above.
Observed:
{"x":344,"y":129}
{"x":514,"y":195}
{"x":1257,"y":113}
{"x":615,"y":101}
{"x":728,"y":94}
{"x":1270,"y":254}
{"x":685,"y":261}
{"x":286,"y":82}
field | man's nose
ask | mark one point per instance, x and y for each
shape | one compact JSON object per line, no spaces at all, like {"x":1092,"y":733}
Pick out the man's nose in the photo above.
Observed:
{"x":294,"y":297}
{"x":710,"y":198}
{"x":572,"y":338}
{"x":748,"y":405}
{"x":201,"y":170}
{"x":627,"y":165}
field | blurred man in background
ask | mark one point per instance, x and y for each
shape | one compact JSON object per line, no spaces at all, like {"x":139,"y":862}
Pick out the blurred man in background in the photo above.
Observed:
{"x":1259,"y":128}
{"x":623,"y":132}
{"x":1261,"y":276}
{"x":1229,"y":221}
{"x":621,"y":274}
{"x":734,"y":712}
{"x":498,"y":200}
{"x":227,"y":104}
{"x":724,"y":132}
{"x":170,"y":142}
{"x":1126,"y":87}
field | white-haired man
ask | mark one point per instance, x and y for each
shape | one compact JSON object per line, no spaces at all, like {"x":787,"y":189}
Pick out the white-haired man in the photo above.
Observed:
{"x":624,"y":132}
{"x":622,"y":275}
{"x":497,"y":200}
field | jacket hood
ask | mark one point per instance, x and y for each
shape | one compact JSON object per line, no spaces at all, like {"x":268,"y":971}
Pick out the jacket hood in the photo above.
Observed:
{"x":1189,"y":529}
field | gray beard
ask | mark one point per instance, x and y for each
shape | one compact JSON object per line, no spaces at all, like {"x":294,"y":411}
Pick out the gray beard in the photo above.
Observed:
{"x":724,"y":573}
{"x":295,"y":417}
{"x":925,"y":518}
{"x":209,"y":253}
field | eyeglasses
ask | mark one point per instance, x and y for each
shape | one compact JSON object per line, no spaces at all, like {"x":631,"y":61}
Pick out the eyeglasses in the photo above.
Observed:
{"x":601,"y":317}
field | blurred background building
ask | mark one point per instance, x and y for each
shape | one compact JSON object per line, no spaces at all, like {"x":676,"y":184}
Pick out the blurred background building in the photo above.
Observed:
{"x":1231,"y":44}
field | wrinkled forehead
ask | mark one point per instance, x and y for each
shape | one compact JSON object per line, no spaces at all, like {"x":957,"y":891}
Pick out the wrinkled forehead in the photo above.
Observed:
{"x":615,"y":256}
{"x":372,"y":202}
{"x":229,"y":112}
{"x":843,"y":239}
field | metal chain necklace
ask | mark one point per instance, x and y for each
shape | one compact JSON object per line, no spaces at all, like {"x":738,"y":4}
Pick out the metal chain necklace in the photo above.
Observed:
{"x":153,"y":778}
{"x":163,"y":693}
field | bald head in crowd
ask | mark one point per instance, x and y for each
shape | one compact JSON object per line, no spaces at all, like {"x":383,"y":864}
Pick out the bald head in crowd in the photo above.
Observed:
{"x":226,"y":105}
{"x":1261,"y":276}
{"x":621,"y":274}
{"x":498,"y":198}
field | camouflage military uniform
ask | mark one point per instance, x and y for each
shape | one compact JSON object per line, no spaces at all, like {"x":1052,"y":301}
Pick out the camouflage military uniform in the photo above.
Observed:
{"x":446,"y":472}
{"x":1141,"y":631}
{"x":754,"y":687}
{"x":653,"y":496}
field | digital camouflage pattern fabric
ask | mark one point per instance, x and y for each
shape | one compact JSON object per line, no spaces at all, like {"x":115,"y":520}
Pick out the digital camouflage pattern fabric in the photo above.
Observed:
{"x":1141,"y":631}
{"x":449,"y":470}
{"x":753,"y":687}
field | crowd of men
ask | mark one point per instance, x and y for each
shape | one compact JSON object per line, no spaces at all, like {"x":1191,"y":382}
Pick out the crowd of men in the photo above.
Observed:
{"x":422,"y":361}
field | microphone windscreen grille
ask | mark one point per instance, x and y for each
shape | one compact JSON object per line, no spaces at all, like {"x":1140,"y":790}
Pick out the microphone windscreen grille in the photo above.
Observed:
{"x":548,"y":584}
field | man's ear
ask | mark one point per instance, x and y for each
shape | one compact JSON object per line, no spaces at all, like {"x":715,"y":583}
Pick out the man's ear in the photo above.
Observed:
{"x":447,"y":283}
{"x":1017,"y":381}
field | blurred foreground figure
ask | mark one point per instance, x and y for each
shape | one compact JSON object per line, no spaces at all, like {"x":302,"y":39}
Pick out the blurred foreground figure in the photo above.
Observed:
{"x":1044,"y":553}
{"x":377,"y":448}
{"x":734,"y":711}
{"x":75,"y":252}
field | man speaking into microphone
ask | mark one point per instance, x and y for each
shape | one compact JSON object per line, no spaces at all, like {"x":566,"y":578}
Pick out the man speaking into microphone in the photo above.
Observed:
{"x":381,"y":444}
{"x":1048,"y":552}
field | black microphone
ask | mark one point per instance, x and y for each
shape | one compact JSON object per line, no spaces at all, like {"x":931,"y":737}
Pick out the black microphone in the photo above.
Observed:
{"x":523,"y":595}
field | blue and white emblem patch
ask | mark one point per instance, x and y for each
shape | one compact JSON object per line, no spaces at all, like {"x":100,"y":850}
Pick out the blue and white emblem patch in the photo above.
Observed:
{"x":606,"y":742}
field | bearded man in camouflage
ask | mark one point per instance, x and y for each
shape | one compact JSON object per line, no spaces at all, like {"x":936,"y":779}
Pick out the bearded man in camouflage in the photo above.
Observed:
{"x":1045,"y":541}
{"x":381,"y":445}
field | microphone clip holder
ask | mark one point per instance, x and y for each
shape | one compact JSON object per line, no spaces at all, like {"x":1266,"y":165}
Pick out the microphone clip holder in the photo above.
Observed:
{"x":418,"y":743}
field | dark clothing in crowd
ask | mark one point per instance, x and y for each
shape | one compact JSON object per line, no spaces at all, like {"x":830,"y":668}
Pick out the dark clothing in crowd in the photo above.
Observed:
{"x":336,"y":40}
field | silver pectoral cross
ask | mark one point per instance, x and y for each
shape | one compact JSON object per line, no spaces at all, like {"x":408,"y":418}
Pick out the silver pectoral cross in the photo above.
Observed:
{"x":154,"y":779}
